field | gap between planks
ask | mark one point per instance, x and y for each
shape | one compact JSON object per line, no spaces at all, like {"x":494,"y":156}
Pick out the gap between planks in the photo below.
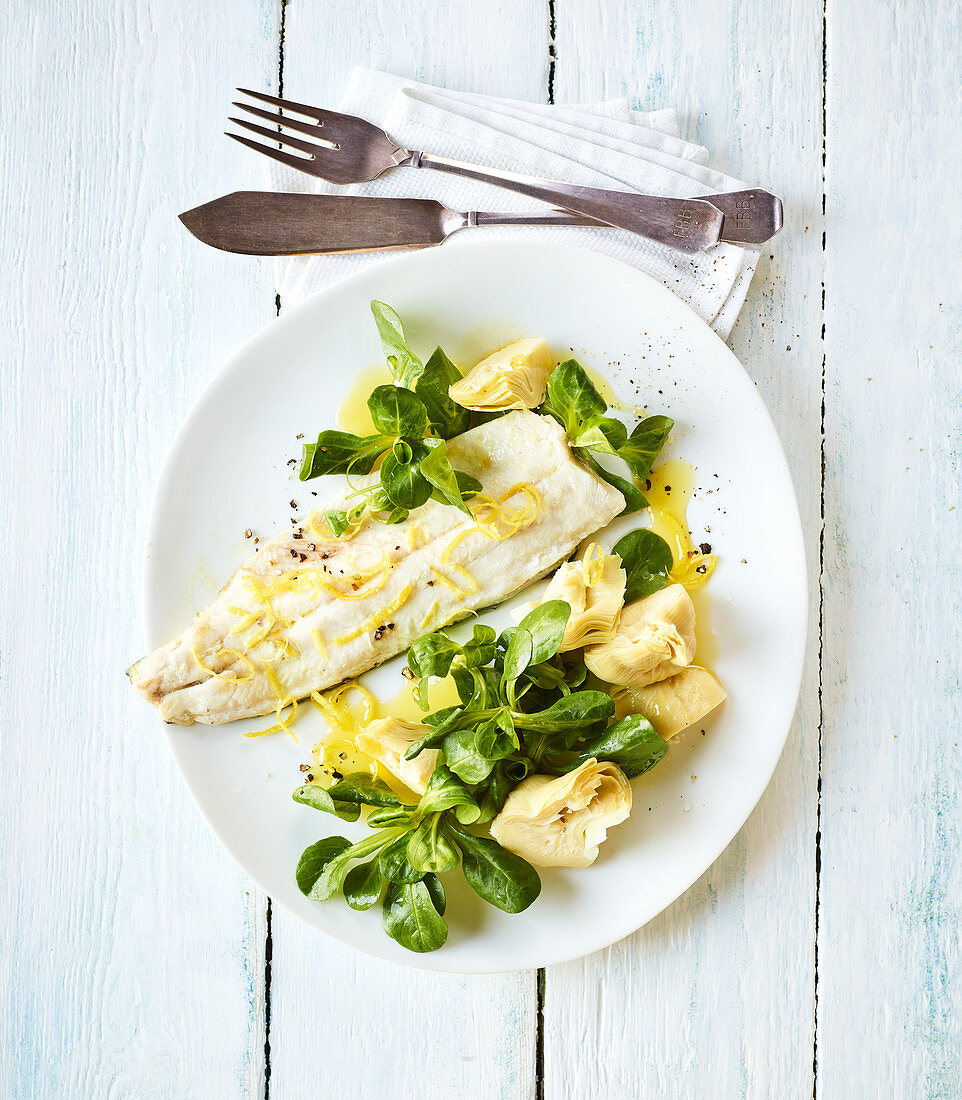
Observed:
{"x":268,"y":933}
{"x":541,"y":981}
{"x":821,"y":573}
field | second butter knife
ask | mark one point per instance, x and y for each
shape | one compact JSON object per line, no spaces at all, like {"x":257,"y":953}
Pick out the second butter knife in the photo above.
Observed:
{"x":267,"y":223}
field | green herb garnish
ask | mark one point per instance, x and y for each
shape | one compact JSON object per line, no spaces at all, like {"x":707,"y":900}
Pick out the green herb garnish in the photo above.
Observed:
{"x":405,"y":365}
{"x":647,"y":561}
{"x":412,"y":420}
{"x":574,"y":401}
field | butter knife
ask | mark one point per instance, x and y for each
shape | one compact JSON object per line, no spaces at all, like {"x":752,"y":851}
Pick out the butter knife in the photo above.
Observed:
{"x":267,"y":223}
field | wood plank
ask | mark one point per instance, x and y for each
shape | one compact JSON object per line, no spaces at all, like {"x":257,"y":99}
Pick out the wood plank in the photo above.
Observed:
{"x":131,"y":958}
{"x":385,"y":1029}
{"x":714,"y":997}
{"x":890,"y":979}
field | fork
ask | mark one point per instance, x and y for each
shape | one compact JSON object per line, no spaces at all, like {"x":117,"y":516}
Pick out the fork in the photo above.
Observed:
{"x":347,"y":149}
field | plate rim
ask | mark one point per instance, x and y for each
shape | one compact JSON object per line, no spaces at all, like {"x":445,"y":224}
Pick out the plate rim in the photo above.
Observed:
{"x":434,"y":961}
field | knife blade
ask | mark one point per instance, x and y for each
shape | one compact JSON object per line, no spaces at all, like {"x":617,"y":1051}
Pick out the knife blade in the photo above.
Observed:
{"x":267,"y":223}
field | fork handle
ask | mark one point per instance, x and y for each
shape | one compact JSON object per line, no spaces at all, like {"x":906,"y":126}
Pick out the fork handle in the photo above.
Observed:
{"x":689,"y":225}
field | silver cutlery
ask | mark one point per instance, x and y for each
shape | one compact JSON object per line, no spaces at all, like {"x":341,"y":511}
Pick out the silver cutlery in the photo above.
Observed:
{"x":347,"y":149}
{"x":269,"y":223}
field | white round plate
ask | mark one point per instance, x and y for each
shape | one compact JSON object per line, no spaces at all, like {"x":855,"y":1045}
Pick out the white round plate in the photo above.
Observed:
{"x":228,"y":470}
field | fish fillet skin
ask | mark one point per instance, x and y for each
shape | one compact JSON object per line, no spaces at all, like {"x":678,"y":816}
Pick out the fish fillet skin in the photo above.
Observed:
{"x":437,"y":541}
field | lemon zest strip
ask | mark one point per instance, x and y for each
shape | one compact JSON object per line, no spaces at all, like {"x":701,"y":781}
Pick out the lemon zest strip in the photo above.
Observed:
{"x":283,"y":724}
{"x":218,"y":675}
{"x":432,"y":611}
{"x":593,"y":564}
{"x":372,"y":621}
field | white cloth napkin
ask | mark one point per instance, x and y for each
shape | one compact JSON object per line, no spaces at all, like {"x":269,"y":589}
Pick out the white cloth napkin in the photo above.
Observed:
{"x":600,"y":144}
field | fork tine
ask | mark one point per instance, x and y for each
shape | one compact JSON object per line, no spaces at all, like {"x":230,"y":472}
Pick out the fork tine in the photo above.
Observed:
{"x":290,"y":105}
{"x":324,"y":117}
{"x":285,"y":158}
{"x":285,"y":120}
{"x":280,"y":138}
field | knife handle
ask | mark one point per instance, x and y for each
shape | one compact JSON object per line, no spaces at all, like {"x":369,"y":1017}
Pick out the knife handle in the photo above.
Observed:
{"x":557,"y":217}
{"x":689,"y":225}
{"x":751,"y":217}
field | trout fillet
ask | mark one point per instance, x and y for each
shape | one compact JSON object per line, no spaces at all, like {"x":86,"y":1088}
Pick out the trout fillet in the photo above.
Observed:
{"x":307,"y":610}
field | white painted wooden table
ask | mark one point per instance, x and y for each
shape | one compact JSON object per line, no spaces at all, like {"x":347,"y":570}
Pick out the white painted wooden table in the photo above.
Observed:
{"x":821,"y":953}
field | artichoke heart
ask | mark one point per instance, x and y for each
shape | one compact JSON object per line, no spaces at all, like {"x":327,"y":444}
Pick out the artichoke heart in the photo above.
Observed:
{"x":594,"y":589}
{"x":655,"y":638}
{"x":560,"y":821}
{"x":513,"y":378}
{"x":676,"y":703}
{"x":386,"y":740}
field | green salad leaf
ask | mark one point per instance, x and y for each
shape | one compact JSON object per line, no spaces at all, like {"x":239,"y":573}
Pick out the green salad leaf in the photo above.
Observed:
{"x":497,"y":737}
{"x":429,"y":849}
{"x":503,"y":879}
{"x":332,"y":877}
{"x":647,"y":561}
{"x":320,"y":799}
{"x":316,"y":858}
{"x":536,"y":638}
{"x":494,"y":791}
{"x":405,"y":365}
{"x":401,"y":479}
{"x":398,"y":412}
{"x":632,"y":744}
{"x":363,"y":789}
{"x":436,"y":654}
{"x":571,"y":713}
{"x":644,"y":444}
{"x":446,"y":417}
{"x":436,"y":890}
{"x":340,"y":521}
{"x":450,"y":486}
{"x":394,"y":864}
{"x":574,"y":401}
{"x":602,"y":433}
{"x":479,"y":650}
{"x":635,"y":499}
{"x":389,"y":817}
{"x":572,"y":397}
{"x":411,"y":916}
{"x":341,"y":453}
{"x":571,"y":719}
{"x":433,"y":654}
{"x":466,"y":757}
{"x":445,"y":791}
{"x":362,"y":885}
